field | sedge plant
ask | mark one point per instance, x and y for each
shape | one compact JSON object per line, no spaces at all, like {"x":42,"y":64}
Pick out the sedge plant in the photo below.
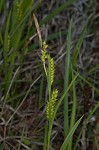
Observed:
{"x":11,"y":41}
{"x":52,"y":104}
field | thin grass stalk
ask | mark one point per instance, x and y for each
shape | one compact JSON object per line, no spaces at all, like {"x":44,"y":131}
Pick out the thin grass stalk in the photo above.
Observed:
{"x":88,"y":82}
{"x":96,"y":143}
{"x":41,"y":90}
{"x":45,"y":137}
{"x":49,"y":133}
{"x":85,"y":123}
{"x":2,"y":2}
{"x":5,"y":52}
{"x":66,"y":82}
{"x":70,"y":134}
{"x":73,"y":114}
{"x":57,"y":11}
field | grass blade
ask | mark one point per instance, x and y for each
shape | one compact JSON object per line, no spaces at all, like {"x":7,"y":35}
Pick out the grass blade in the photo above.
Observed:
{"x":66,"y":81}
{"x":79,"y":43}
{"x":57,"y":11}
{"x":5,"y":51}
{"x":64,"y":145}
{"x":92,"y":112}
{"x":73,"y":113}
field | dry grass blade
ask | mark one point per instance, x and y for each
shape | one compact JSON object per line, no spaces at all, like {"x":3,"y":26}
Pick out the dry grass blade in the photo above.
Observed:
{"x":23,"y":100}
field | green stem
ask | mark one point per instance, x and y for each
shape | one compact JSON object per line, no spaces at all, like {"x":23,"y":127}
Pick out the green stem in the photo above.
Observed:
{"x":73,"y":113}
{"x":49,"y":133}
{"x":66,"y":82}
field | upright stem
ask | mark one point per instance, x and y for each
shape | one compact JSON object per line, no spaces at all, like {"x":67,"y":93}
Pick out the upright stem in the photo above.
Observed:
{"x":49,"y":134}
{"x":66,"y":82}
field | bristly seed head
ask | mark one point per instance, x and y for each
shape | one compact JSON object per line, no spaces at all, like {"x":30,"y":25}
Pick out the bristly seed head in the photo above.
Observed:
{"x":51,"y":105}
{"x":52,"y":69}
{"x":19,"y":11}
{"x":43,"y":52}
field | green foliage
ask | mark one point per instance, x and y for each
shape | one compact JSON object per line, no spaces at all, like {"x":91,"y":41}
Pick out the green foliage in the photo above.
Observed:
{"x":14,"y":26}
{"x":69,"y":136}
{"x":15,"y":33}
{"x":66,"y":81}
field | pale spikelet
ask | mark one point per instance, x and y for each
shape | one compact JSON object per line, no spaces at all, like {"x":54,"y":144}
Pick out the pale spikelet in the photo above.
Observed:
{"x":19,"y":11}
{"x":44,"y":46}
{"x":51,"y":105}
{"x":52,"y":69}
{"x":43,"y":55}
{"x":38,"y":29}
{"x":43,"y":52}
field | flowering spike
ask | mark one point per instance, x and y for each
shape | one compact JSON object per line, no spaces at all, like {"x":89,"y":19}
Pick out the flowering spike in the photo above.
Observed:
{"x":19,"y":11}
{"x":43,"y":52}
{"x":52,"y":68}
{"x":43,"y":55}
{"x":44,"y":46}
{"x":51,"y":105}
